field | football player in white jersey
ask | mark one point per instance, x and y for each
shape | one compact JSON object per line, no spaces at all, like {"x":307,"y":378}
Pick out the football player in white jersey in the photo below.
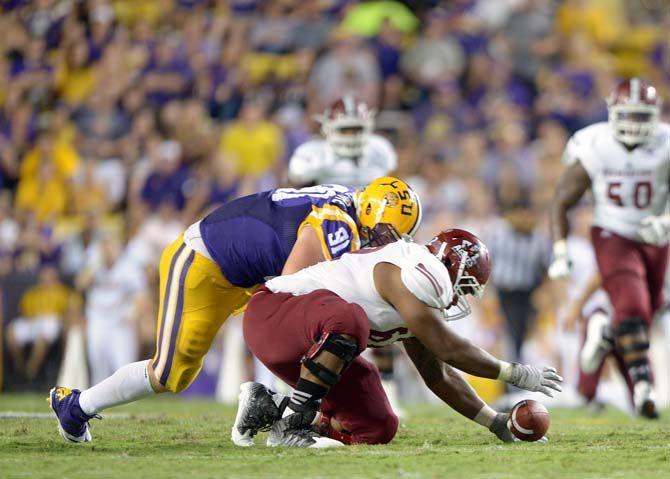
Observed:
{"x":626,"y":164}
{"x":309,"y":328}
{"x":348,"y":154}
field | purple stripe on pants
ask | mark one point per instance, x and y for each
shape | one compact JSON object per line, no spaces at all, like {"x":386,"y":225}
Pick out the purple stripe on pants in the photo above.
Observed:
{"x":177,"y":318}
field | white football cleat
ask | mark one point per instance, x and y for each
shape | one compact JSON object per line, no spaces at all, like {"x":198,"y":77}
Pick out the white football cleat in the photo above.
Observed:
{"x":598,"y":344}
{"x":644,"y":399}
{"x":304,"y":437}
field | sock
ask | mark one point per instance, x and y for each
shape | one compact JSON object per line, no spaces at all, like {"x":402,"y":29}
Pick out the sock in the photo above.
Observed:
{"x":307,"y":395}
{"x":129,"y":383}
{"x":639,"y":370}
{"x":633,"y":343}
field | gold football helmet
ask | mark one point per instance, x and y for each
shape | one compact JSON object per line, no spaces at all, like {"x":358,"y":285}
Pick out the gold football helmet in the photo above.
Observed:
{"x":387,"y":210}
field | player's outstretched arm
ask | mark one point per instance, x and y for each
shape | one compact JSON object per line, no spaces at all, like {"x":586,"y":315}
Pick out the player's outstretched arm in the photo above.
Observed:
{"x":571,"y":187}
{"x":431,"y":330}
{"x":447,"y":384}
{"x":451,"y":348}
{"x":443,"y":380}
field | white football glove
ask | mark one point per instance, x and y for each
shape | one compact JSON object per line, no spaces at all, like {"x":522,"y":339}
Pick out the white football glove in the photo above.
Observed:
{"x":530,"y":378}
{"x":655,"y":229}
{"x":561,"y":267}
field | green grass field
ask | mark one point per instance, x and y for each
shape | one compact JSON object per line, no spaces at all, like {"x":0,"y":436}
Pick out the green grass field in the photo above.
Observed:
{"x":187,"y":439}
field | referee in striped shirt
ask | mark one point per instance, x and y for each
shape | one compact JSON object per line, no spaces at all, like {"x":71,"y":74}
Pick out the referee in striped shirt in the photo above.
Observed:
{"x":520,"y":253}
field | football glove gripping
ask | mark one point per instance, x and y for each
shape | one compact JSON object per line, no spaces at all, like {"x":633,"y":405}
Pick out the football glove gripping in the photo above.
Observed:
{"x":500,"y":427}
{"x":530,"y":378}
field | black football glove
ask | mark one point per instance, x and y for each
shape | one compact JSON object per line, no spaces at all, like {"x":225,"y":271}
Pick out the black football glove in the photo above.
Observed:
{"x":500,"y":429}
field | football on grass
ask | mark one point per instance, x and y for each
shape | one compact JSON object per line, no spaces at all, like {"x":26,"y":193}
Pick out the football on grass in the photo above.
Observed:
{"x":529,"y":420}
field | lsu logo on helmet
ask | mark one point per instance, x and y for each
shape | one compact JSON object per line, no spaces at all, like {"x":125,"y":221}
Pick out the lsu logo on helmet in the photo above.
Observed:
{"x":387,"y":209}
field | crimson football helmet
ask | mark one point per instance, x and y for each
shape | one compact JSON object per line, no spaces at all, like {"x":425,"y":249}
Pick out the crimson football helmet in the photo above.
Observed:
{"x":468,"y":262}
{"x":345,"y":124}
{"x":633,"y":110}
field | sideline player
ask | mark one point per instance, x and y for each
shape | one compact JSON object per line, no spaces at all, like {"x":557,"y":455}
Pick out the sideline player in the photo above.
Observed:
{"x":349,"y":153}
{"x":626,"y":164}
{"x":210,"y":271}
{"x":310,"y":328}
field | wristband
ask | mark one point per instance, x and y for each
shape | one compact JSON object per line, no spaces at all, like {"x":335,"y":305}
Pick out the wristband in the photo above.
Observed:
{"x":485,"y":416}
{"x":560,"y":248}
{"x":505,"y":371}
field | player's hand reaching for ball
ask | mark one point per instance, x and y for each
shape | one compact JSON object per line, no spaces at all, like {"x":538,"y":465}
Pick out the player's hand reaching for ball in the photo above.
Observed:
{"x":530,"y":378}
{"x":501,"y":428}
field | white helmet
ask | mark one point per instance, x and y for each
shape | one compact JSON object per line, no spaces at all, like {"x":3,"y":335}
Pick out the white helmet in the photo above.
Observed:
{"x":633,"y":110}
{"x":345,"y":124}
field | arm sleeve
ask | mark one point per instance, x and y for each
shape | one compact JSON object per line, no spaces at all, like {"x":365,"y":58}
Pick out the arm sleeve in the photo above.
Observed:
{"x":578,"y":149}
{"x":336,"y":230}
{"x":428,"y":286}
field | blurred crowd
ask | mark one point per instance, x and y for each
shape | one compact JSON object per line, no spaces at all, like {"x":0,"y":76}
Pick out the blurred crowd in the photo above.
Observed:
{"x":122,"y":121}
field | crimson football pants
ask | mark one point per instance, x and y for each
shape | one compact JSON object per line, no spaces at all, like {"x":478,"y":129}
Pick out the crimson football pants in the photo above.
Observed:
{"x":632,"y":274}
{"x":280,"y":328}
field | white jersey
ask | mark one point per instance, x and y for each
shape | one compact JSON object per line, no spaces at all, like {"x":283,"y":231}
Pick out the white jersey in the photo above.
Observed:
{"x":316,"y":162}
{"x":627,"y":185}
{"x":351,"y":278}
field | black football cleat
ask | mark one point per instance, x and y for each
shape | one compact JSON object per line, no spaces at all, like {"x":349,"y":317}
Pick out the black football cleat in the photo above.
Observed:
{"x":256,"y":411}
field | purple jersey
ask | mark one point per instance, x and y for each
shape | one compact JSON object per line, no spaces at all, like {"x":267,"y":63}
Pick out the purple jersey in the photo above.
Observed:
{"x":250,"y":238}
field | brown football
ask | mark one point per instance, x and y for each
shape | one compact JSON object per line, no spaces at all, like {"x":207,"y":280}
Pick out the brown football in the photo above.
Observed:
{"x":529,"y":420}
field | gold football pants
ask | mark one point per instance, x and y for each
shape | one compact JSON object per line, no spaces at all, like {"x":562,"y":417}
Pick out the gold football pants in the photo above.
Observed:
{"x":195,"y":300}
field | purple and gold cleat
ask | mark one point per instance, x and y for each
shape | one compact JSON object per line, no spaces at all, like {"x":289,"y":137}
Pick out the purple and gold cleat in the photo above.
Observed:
{"x":72,"y":421}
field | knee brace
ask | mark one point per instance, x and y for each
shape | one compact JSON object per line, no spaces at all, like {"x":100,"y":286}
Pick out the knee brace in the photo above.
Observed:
{"x":631,"y":337}
{"x":343,"y":347}
{"x":632,"y":342}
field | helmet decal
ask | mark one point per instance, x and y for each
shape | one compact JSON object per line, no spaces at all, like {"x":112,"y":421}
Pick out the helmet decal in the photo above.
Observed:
{"x":387,"y":210}
{"x":467,"y":261}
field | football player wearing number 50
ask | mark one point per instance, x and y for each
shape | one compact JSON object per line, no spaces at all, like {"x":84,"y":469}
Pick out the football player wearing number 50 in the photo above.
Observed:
{"x":211,"y":270}
{"x":626,"y":164}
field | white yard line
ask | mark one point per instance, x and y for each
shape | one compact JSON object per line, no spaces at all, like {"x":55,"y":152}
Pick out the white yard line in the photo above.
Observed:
{"x":50,"y":415}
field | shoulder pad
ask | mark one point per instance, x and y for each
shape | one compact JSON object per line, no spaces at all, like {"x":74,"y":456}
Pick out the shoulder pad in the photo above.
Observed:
{"x":383,"y":151}
{"x":580,"y":146}
{"x":428,"y":283}
{"x":306,"y":162}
